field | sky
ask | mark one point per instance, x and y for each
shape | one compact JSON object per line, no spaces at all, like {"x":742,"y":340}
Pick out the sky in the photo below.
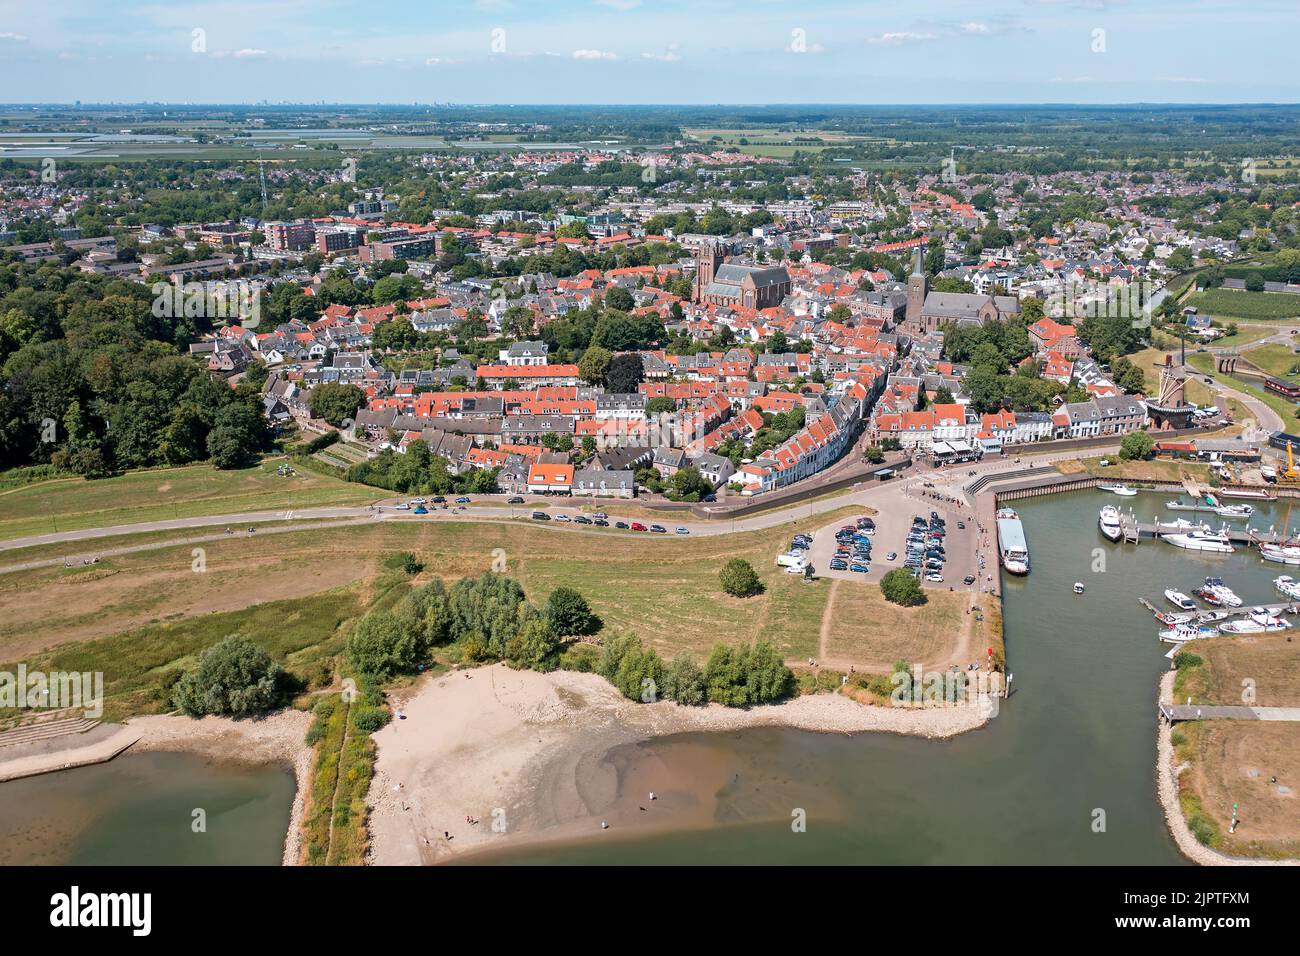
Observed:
{"x":649,"y":51}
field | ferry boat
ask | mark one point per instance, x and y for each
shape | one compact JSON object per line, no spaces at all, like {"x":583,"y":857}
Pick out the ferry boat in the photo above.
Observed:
{"x":1012,"y":547}
{"x":1288,"y":586}
{"x":1108,"y":522}
{"x":1180,"y":633}
{"x":1200,"y":539}
{"x":1258,"y":621}
{"x":1124,"y":491}
{"x":1280,"y":553}
{"x":1179,"y":600}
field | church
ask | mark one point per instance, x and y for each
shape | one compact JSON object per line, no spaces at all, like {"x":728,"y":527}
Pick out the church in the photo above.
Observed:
{"x":735,"y":285}
{"x":929,"y":311}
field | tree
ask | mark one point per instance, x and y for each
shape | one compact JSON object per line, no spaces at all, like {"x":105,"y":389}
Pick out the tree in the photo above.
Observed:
{"x":684,"y":681}
{"x":1137,"y":446}
{"x":594,"y":365}
{"x":899,"y":587}
{"x":237,"y":435}
{"x":335,"y":402}
{"x":739,"y":579}
{"x":233,"y":677}
{"x":625,"y":373}
{"x":535,"y":647}
{"x":619,"y":298}
{"x":380,"y":646}
{"x":568,"y":613}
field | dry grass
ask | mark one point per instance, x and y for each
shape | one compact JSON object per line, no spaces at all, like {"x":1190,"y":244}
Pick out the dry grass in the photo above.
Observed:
{"x":872,"y":633}
{"x":1270,"y":662}
{"x":1222,"y":755}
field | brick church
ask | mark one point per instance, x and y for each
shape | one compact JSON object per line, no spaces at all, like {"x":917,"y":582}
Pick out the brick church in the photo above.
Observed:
{"x":733,"y":284}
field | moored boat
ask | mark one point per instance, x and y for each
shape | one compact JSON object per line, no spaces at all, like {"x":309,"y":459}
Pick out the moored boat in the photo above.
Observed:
{"x":1200,"y":539}
{"x":1280,"y":553}
{"x":1179,"y":600}
{"x":1223,"y":594}
{"x":1012,"y":547}
{"x":1187,"y":632}
{"x":1288,"y":586}
{"x":1108,"y":522}
{"x":1124,"y":491}
{"x":1258,"y":621}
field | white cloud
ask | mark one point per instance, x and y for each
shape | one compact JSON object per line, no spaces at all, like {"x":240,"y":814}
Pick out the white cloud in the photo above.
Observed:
{"x":977,"y":29}
{"x":899,"y":37}
{"x":16,"y":37}
{"x":669,"y":57}
{"x":1185,"y":79}
{"x":247,"y":53}
{"x":594,"y":55}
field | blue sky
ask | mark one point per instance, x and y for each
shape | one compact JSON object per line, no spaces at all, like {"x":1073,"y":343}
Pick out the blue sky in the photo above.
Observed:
{"x":650,"y":51}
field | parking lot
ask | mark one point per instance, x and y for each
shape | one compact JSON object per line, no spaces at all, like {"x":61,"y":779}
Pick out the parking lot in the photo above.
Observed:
{"x":891,"y":530}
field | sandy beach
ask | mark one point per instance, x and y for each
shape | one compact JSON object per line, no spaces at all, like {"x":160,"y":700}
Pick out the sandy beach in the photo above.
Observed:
{"x":524,"y":754}
{"x":279,"y":737}
{"x":1167,"y":783}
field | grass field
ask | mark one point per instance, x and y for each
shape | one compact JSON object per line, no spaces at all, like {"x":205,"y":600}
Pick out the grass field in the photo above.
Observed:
{"x":140,"y":617}
{"x":1232,"y":763}
{"x":869,"y":629}
{"x":1155,"y":470}
{"x":1265,"y":665}
{"x":1245,"y":335}
{"x":1283,"y":406}
{"x":1278,"y":360}
{"x":1240,"y":304}
{"x":70,"y":504}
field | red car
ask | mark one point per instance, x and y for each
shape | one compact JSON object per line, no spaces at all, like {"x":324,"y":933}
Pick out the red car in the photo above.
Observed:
{"x":638,"y":526}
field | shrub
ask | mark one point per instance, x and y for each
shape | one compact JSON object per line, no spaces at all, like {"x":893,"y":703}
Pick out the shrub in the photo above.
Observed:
{"x":739,"y":579}
{"x":1137,"y":446}
{"x":381,"y":646}
{"x":369,"y":719}
{"x":684,"y":681}
{"x":233,"y":677}
{"x":535,"y":647}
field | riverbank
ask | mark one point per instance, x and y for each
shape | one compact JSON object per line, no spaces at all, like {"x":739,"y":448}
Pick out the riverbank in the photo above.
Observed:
{"x":279,"y":737}
{"x":526,"y":756}
{"x":1167,"y":786}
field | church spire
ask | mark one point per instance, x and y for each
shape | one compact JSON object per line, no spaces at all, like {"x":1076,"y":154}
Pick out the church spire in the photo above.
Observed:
{"x":916,"y":262}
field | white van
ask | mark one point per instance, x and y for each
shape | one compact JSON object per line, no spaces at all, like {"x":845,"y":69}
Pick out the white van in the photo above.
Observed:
{"x":792,"y":559}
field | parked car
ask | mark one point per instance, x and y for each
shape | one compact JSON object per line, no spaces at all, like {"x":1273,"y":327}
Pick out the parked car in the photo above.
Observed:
{"x":934,"y":577}
{"x":541,"y":516}
{"x":638,"y":526}
{"x":968,"y":580}
{"x":891,"y":556}
{"x":658,"y":529}
{"x":563,"y":518}
{"x":859,"y":567}
{"x":621,"y":524}
{"x":600,"y":522}
{"x":463,"y":500}
{"x":420,"y":510}
{"x":516,"y":500}
{"x":417,"y":501}
{"x":439,"y":499}
{"x":839,"y":565}
{"x":961,"y":526}
{"x":402,"y":506}
{"x":681,"y":529}
{"x":582,"y":519}
{"x":601,"y":515}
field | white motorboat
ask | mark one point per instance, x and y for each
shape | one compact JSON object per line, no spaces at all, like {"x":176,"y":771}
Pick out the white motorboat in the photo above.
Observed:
{"x":1187,"y":632}
{"x":1179,"y":600}
{"x":1257,"y":622}
{"x":1108,"y":522}
{"x":1280,"y":553}
{"x":1171,"y":618}
{"x":1223,"y":594}
{"x":1201,"y":539}
{"x":1213,"y":617}
{"x":1288,"y":586}
{"x":1078,"y":587}
{"x":1212,"y":506}
{"x":1124,"y":491}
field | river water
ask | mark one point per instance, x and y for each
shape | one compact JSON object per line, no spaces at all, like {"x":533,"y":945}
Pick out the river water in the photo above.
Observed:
{"x":1065,"y":774}
{"x":140,"y":809}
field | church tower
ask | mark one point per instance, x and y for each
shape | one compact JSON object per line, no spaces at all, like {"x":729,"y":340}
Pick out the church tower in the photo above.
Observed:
{"x":918,"y":286}
{"x":707,"y":259}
